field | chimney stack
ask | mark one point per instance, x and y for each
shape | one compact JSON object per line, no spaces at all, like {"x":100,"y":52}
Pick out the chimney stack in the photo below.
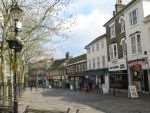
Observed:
{"x":67,"y":55}
{"x":119,"y":6}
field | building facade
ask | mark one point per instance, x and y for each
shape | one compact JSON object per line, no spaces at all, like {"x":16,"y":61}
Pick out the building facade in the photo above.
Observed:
{"x":137,"y":23}
{"x":56,"y":73}
{"x":76,"y":72}
{"x":38,"y":73}
{"x":97,"y":63}
{"x":115,"y":33}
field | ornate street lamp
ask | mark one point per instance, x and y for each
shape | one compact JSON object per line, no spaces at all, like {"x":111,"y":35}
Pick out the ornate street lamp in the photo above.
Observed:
{"x":16,"y":12}
{"x":15,"y":44}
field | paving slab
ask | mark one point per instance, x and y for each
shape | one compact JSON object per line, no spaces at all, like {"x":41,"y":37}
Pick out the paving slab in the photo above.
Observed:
{"x":61,"y":100}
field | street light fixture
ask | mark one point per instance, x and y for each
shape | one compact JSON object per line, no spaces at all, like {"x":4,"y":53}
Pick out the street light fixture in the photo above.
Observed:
{"x":15,"y":44}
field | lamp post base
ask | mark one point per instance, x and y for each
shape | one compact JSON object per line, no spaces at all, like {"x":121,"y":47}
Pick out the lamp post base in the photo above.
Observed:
{"x":15,"y":107}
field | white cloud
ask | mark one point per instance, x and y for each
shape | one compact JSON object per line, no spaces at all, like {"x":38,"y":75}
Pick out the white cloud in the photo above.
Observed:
{"x":87,"y":26}
{"x":85,"y":29}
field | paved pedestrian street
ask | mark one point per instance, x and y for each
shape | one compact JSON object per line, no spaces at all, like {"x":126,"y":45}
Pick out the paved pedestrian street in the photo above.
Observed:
{"x":58,"y":99}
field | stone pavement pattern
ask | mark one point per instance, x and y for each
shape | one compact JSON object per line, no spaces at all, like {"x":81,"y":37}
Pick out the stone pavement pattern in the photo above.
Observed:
{"x":58,"y":99}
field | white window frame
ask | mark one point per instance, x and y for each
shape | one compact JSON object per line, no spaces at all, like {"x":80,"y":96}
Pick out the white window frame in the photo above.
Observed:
{"x":102,"y":44}
{"x":137,"y":49}
{"x":112,"y":30}
{"x":97,"y":46}
{"x":133,"y":18}
{"x":98,"y":62}
{"x":103,"y":61}
{"x":94,"y":63}
{"x":93,"y":48}
{"x":124,"y":47}
{"x":89,"y":64}
{"x":88,"y":50}
{"x":112,"y":51}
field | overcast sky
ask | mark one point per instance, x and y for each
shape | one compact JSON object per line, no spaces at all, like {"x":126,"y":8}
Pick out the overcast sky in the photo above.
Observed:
{"x":90,"y":16}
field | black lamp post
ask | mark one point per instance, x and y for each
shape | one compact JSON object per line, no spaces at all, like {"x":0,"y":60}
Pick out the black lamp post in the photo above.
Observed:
{"x":15,"y":44}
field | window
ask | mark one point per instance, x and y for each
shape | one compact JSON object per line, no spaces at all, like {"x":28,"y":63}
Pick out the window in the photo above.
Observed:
{"x":133,"y":17}
{"x":89,"y":64}
{"x":1,"y":34}
{"x":93,"y":63}
{"x":133,"y":44}
{"x":93,"y":49}
{"x":113,"y":51}
{"x":98,"y":62}
{"x":122,"y":24}
{"x":136,"y":45}
{"x":103,"y":60}
{"x":102,"y":44}
{"x":139,"y":45}
{"x":112,"y":31}
{"x":97,"y":46}
{"x":88,"y":50}
{"x":124,"y":48}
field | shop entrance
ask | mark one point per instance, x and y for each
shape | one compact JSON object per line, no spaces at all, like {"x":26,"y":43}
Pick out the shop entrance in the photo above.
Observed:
{"x":145,"y":81}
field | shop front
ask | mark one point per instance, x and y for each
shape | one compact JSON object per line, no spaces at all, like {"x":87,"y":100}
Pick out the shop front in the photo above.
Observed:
{"x":140,"y":75}
{"x":76,"y":81}
{"x":99,"y":79}
{"x":118,"y":74}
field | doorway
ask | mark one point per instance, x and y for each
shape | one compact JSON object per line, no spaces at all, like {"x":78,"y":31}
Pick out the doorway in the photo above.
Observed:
{"x":145,"y":81}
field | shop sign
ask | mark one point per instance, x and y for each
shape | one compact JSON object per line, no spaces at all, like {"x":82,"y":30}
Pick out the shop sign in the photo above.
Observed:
{"x":117,"y":67}
{"x":133,"y":92}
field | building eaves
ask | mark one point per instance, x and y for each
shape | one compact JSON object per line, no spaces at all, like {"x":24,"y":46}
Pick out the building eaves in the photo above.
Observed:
{"x":126,"y":6}
{"x":95,"y":40}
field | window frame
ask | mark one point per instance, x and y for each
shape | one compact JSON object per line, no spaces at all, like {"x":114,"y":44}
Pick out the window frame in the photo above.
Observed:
{"x":112,"y":28}
{"x":112,"y":50}
{"x":133,"y":18}
{"x":122,"y":24}
{"x":137,"y":49}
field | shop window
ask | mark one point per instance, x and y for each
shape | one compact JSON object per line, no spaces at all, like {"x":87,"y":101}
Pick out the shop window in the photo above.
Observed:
{"x":102,"y":79}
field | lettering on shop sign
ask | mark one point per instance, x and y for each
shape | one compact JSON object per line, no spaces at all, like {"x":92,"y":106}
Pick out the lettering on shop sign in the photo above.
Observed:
{"x":122,"y":66}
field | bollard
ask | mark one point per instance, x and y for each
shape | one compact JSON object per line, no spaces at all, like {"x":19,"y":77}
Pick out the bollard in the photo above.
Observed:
{"x":26,"y":110}
{"x":77,"y":111}
{"x":68,"y":110}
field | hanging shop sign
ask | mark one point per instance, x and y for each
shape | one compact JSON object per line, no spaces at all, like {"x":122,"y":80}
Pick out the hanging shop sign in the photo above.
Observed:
{"x":136,"y":67}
